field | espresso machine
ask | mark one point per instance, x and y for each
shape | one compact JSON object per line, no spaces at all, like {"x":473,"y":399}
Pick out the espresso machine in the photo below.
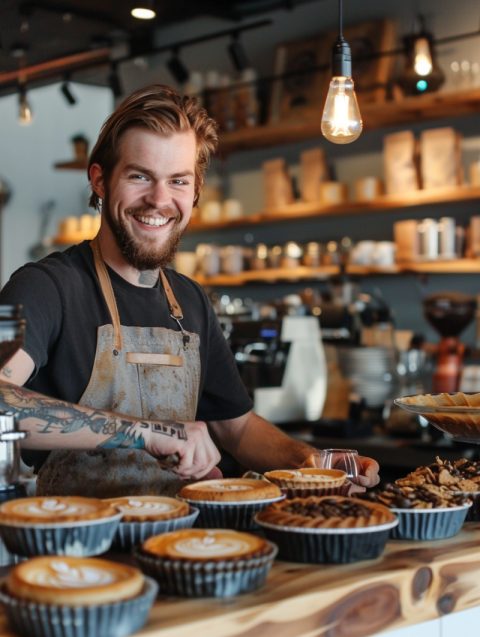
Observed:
{"x":12,"y":330}
{"x":449,"y":313}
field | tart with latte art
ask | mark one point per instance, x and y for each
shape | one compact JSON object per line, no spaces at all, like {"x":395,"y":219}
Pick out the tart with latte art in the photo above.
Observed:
{"x":206,"y":545}
{"x":54,"y":510}
{"x":72,"y":581}
{"x":230,"y":490}
{"x":149,"y":508}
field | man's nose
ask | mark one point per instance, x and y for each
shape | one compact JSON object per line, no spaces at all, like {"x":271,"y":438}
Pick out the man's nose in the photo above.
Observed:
{"x":158,"y":195}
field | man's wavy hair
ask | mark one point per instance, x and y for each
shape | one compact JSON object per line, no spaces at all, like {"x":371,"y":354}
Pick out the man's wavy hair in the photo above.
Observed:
{"x":158,"y":108}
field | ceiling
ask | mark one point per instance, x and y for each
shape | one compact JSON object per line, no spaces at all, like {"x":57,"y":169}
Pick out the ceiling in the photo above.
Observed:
{"x":49,"y":29}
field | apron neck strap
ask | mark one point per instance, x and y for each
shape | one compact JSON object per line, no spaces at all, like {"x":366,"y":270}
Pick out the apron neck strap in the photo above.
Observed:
{"x":175,"y":309}
{"x":106,"y":285}
{"x":107,"y":290}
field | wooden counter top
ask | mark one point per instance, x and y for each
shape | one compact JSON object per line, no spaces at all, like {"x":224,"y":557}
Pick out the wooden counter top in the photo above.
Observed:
{"x":411,"y":583}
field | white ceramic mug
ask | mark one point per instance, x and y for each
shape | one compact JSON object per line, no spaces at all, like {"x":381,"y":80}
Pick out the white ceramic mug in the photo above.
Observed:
{"x":211,"y":212}
{"x":232,"y":209}
{"x":186,"y":263}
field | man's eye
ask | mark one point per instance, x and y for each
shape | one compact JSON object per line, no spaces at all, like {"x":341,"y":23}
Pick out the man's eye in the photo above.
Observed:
{"x":178,"y":182}
{"x":138,"y":177}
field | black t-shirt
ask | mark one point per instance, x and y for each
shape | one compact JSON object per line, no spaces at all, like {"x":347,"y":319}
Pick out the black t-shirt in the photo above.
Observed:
{"x":64,"y":304}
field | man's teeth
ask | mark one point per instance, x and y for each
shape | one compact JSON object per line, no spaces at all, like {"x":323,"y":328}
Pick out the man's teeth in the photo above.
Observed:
{"x":150,"y":221}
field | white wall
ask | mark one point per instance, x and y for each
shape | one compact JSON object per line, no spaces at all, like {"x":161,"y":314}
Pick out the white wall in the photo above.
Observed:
{"x":27,"y":155}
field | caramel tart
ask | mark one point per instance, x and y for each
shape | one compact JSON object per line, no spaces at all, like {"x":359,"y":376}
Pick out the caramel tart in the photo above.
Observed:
{"x":54,"y":510}
{"x":149,"y":508}
{"x":206,"y":545}
{"x":71,"y":581}
{"x":307,"y":478}
{"x":230,"y":490}
{"x":328,"y":512}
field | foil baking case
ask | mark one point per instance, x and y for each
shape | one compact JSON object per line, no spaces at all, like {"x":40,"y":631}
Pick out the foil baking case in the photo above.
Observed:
{"x":117,"y":619}
{"x":74,"y":539}
{"x":130,"y":533}
{"x":429,"y":524}
{"x":224,"y":578}
{"x":229,"y":515}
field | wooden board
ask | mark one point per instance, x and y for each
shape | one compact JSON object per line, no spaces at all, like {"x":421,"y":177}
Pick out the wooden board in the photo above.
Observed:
{"x":414,"y":109}
{"x":303,"y":210}
{"x":304,"y":273}
{"x":411,"y":583}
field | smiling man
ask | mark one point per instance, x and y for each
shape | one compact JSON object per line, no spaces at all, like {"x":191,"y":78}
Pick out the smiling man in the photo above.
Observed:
{"x":124,"y":363}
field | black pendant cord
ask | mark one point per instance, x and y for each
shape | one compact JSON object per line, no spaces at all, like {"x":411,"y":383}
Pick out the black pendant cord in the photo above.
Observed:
{"x":341,"y":53}
{"x":340,"y":19}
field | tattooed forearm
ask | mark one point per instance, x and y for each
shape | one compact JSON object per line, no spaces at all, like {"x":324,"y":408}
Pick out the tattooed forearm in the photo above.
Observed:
{"x":50,"y":417}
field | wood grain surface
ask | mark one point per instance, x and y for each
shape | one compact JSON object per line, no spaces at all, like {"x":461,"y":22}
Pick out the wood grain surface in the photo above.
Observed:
{"x":411,"y":583}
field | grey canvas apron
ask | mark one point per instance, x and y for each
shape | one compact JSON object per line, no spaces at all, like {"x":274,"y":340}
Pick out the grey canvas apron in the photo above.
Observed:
{"x":150,"y":373}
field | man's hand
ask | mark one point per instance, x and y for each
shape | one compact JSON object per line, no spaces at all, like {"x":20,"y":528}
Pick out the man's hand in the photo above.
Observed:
{"x":190,"y":440}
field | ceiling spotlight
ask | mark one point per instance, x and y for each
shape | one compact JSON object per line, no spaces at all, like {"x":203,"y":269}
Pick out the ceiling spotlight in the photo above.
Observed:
{"x":114,"y":82}
{"x":67,"y":93}
{"x":25,"y":115}
{"x":144,"y":10}
{"x":237,"y":54}
{"x":421,"y":72}
{"x":178,"y":69}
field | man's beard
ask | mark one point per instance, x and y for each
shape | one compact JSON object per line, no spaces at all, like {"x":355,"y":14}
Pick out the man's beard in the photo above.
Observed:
{"x":145,"y":255}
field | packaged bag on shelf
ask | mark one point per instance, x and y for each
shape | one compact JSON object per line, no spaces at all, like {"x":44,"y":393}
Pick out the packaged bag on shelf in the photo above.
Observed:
{"x":440,"y":158}
{"x":400,"y":158}
{"x":406,"y":238}
{"x":277,"y":184}
{"x":314,"y":171}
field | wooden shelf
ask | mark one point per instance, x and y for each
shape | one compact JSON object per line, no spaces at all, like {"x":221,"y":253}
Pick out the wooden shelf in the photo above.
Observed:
{"x":300,"y":210}
{"x":72,"y":165}
{"x":304,"y":273}
{"x":410,"y":110}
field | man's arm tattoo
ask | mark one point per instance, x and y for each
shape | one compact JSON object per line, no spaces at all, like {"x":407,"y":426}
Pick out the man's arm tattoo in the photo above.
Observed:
{"x":58,"y":416}
{"x":169,"y":428}
{"x":148,"y":278}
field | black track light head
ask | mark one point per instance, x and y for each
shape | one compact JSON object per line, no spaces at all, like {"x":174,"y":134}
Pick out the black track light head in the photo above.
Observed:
{"x":178,"y":69}
{"x":238,"y":55}
{"x":67,"y":93}
{"x":114,"y":82}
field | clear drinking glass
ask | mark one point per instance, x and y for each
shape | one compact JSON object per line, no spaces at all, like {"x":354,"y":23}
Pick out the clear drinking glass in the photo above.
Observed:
{"x":343,"y":459}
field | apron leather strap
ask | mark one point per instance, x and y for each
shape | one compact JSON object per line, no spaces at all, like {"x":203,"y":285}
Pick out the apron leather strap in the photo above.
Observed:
{"x":175,"y":309}
{"x":107,"y":290}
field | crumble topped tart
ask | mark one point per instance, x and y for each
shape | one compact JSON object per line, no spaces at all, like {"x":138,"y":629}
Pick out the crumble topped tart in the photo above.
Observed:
{"x":205,"y":545}
{"x":307,"y":478}
{"x":54,"y":510}
{"x":230,"y":490}
{"x":327,"y":512}
{"x":424,"y":496}
{"x":73,"y":581}
{"x":149,"y":508}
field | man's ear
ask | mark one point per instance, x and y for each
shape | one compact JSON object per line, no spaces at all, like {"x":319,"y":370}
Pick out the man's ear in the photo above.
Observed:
{"x":96,"y":179}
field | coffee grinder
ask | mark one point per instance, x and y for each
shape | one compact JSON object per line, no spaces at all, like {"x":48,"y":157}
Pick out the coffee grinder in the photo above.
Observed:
{"x":449,"y":313}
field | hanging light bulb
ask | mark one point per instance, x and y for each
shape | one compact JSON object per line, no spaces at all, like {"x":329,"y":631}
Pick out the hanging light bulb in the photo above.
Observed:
{"x":25,"y":115}
{"x":421,"y":72}
{"x":423,"y":59}
{"x":341,"y":119}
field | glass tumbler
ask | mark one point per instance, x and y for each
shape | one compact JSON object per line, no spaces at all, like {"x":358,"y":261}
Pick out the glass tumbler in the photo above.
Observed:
{"x":345,"y":460}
